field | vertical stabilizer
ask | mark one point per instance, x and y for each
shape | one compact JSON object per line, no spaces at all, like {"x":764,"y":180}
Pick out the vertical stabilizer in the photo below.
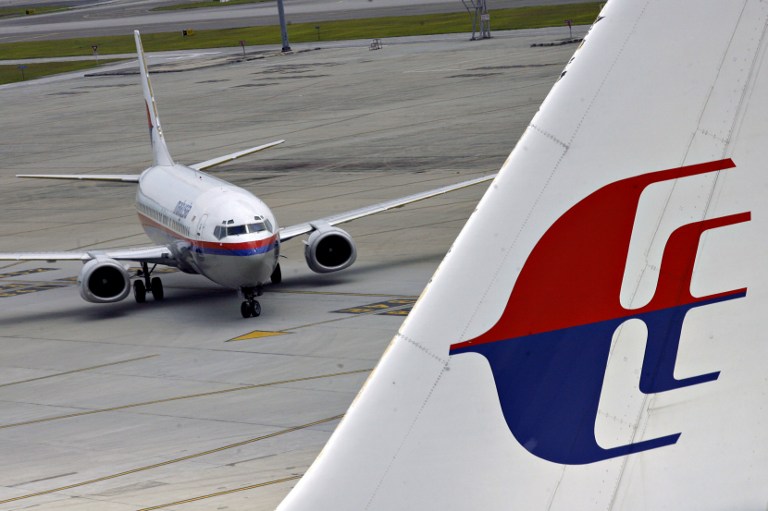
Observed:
{"x":595,"y":338}
{"x":159,"y":149}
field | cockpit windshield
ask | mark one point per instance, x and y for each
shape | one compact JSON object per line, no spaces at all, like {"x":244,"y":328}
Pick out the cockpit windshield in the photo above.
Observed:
{"x":227,"y":229}
{"x":257,"y":227}
{"x":236,"y":230}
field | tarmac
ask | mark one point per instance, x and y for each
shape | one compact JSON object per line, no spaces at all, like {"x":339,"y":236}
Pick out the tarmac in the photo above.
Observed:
{"x":183,"y":404}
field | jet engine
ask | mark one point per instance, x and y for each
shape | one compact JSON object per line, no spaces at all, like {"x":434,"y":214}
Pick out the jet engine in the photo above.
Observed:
{"x":329,"y":249}
{"x":103,"y":280}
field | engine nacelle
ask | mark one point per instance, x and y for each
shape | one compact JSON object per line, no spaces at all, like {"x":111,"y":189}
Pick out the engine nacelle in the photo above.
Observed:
{"x":103,"y":280}
{"x":329,"y":249}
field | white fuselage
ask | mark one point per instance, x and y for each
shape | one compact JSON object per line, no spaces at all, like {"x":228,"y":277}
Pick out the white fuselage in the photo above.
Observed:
{"x":213,"y":227}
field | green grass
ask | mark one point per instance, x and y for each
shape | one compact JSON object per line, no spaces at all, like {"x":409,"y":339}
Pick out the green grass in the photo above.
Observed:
{"x":501,"y":19}
{"x":11,"y":73}
{"x":7,"y":12}
{"x":206,"y":3}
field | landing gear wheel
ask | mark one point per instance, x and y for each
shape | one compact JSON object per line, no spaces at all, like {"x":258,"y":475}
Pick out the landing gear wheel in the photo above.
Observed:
{"x":277,"y":275}
{"x":157,"y":289}
{"x":251,"y":307}
{"x":139,"y":291}
{"x":144,"y":283}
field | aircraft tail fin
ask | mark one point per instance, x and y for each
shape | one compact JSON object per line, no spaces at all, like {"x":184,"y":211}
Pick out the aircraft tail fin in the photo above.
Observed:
{"x":594,"y":339}
{"x":159,"y":148}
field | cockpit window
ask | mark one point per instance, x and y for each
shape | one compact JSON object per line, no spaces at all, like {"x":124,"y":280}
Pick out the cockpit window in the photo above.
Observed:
{"x":256,"y":227}
{"x":236,"y":230}
{"x":227,"y":229}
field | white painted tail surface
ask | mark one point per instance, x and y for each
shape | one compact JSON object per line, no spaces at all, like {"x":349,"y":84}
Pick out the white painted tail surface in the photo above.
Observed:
{"x":159,"y":149}
{"x":593,"y":340}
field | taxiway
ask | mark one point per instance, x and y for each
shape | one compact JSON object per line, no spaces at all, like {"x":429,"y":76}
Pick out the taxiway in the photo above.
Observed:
{"x":183,"y":404}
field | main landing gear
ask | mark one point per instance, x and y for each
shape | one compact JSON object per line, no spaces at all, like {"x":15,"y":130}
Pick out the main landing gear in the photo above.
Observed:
{"x":147,"y":283}
{"x":251,"y":306}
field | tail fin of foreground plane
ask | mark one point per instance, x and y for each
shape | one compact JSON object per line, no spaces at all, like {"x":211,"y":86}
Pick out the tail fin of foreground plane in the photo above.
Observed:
{"x":595,"y":338}
{"x":160,"y":150}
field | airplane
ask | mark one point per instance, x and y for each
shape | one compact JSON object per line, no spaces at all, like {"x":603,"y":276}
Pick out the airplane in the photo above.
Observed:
{"x":607,"y":349}
{"x":205,"y":225}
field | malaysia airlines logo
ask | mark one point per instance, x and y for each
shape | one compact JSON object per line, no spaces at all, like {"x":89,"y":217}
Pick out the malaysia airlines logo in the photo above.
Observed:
{"x":549,"y":350}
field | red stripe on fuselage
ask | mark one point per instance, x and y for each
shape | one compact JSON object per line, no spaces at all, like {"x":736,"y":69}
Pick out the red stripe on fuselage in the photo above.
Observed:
{"x":218,"y":245}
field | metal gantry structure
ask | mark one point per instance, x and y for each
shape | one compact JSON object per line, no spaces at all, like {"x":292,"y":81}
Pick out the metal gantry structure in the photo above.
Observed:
{"x":481,"y":20}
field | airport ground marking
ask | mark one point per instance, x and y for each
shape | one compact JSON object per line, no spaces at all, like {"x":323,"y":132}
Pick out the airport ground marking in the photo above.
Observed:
{"x":345,"y":318}
{"x":8,"y":290}
{"x":256,"y":334}
{"x":81,"y":370}
{"x":21,"y":273}
{"x":334,"y":293}
{"x":175,"y":460}
{"x":399,"y":306}
{"x":393,"y":307}
{"x":179,"y":398}
{"x":224,"y":492}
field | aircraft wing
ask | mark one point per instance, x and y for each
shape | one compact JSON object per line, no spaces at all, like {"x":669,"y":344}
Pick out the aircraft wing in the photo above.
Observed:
{"x":233,"y":156}
{"x":152,"y":255}
{"x":121,"y":178}
{"x":340,"y":218}
{"x":595,"y":338}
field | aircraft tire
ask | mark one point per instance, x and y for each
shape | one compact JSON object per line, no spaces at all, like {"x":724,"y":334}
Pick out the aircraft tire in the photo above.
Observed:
{"x":157,"y":289}
{"x":139,"y":291}
{"x":245,"y":309}
{"x":256,"y":309}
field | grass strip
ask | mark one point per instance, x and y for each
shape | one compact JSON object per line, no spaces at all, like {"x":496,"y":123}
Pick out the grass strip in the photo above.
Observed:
{"x":12,"y":73}
{"x":206,"y":3}
{"x":12,"y":12}
{"x":369,"y":28}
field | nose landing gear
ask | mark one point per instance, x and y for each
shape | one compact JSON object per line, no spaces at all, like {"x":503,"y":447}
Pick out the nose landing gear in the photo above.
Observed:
{"x":251,"y":306}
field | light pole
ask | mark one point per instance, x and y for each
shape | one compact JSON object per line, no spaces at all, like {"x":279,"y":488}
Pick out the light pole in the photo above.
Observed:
{"x":283,"y":28}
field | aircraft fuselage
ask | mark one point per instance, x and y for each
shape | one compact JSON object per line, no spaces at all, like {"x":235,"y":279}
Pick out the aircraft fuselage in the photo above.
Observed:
{"x":213,"y":227}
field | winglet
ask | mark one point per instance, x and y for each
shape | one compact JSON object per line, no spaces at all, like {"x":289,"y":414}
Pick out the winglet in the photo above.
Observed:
{"x":160,"y":150}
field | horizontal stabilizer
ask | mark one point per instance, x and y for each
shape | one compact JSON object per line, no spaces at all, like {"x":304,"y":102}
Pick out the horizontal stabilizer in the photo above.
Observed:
{"x":233,"y":156}
{"x":120,"y":178}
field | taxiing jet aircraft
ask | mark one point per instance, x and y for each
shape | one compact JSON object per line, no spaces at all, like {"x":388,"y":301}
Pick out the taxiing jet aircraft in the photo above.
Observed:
{"x":205,"y":225}
{"x":607,"y":350}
